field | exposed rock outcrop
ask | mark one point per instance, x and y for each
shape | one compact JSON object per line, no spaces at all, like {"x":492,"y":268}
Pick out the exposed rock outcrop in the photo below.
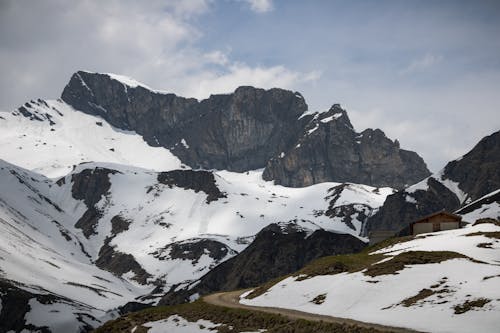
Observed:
{"x":90,"y":185}
{"x":198,"y":180}
{"x":120,"y":263}
{"x":277,"y":250}
{"x":238,"y":132}
{"x":460,"y":182}
{"x":194,"y":249}
{"x":402,"y":208}
{"x":331,"y":150}
{"x":15,"y":306}
{"x":249,"y":129}
{"x":477,"y":172}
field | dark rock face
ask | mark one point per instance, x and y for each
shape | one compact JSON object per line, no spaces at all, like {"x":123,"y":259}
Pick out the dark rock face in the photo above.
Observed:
{"x":238,"y":132}
{"x":330,"y":150}
{"x":119,"y":224}
{"x":88,"y":221}
{"x":276,"y":251}
{"x":250,"y":129}
{"x":133,"y":307}
{"x":193,"y":180}
{"x":488,"y":199}
{"x":29,"y":110}
{"x":90,"y":185}
{"x":476,"y":174}
{"x":194,"y":249}
{"x":400,"y":209}
{"x":15,"y":306}
{"x":120,"y":263}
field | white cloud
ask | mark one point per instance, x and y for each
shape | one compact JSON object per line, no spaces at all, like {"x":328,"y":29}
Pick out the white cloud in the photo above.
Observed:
{"x":260,"y":6}
{"x":422,"y":63}
{"x":155,"y":43}
{"x":237,"y":74}
{"x":217,"y":57}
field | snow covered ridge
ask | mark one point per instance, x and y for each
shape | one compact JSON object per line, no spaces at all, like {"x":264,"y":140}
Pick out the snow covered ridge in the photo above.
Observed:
{"x":46,"y":264}
{"x":50,"y":137}
{"x":454,"y":187}
{"x":164,"y":232}
{"x":441,"y":282}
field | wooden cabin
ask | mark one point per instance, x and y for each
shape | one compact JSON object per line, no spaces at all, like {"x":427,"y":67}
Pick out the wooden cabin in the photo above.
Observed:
{"x":436,"y":222}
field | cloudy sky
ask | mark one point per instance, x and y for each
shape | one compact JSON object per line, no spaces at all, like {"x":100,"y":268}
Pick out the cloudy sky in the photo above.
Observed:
{"x":425,"y":72}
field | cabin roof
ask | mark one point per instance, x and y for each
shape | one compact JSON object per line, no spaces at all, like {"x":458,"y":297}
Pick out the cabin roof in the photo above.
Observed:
{"x":441,"y":212}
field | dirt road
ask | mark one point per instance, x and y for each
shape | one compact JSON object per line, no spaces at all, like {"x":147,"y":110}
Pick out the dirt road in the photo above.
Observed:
{"x":231,"y":300}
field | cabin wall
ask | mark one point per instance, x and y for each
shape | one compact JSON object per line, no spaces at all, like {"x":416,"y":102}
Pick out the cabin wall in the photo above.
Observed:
{"x":450,"y":225}
{"x":421,"y":228}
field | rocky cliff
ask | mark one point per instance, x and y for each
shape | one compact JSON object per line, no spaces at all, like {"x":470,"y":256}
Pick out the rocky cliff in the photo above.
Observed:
{"x":238,"y":132}
{"x":278,"y":249}
{"x":460,"y":182}
{"x":331,"y":150}
{"x":250,"y":129}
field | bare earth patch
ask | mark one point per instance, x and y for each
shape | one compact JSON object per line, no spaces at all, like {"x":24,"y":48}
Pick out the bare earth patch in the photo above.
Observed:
{"x":470,"y":305}
{"x":400,"y":261}
{"x":320,"y":299}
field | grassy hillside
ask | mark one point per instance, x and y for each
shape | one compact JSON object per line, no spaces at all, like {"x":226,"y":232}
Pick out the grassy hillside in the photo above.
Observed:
{"x":232,"y":320}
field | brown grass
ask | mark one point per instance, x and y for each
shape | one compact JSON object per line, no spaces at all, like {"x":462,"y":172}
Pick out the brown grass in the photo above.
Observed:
{"x":398,"y":262}
{"x":487,"y":220}
{"x":320,"y":299}
{"x":491,"y":234}
{"x":470,"y":305}
{"x":231,"y":320}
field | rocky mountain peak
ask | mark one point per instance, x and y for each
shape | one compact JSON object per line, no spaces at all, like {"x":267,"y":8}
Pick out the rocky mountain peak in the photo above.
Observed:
{"x":462,"y":181}
{"x":477,"y":171}
{"x":249,"y":129}
{"x":331,"y":150}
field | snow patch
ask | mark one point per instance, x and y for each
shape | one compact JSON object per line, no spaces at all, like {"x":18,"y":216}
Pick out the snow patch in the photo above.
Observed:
{"x":73,"y":139}
{"x":178,"y":324}
{"x":410,"y":199}
{"x":333,"y":117}
{"x":184,"y":143}
{"x":309,"y":132}
{"x":379,"y":299}
{"x":420,"y":186}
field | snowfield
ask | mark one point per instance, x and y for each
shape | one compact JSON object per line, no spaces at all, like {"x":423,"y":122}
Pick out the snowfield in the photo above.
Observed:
{"x":52,"y":137}
{"x":92,"y":217}
{"x":399,"y":299}
{"x":43,"y":251}
{"x":177,"y":324}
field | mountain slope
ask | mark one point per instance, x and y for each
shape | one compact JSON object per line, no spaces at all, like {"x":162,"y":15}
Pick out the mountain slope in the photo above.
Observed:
{"x":460,"y":182}
{"x":50,"y":137}
{"x":330,"y":148}
{"x":249,"y":129}
{"x":45,"y":266}
{"x":277,"y":249}
{"x":440,"y":282}
{"x":108,"y":234}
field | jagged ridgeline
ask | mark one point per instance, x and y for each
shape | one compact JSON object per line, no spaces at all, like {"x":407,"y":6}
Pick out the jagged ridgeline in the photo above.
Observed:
{"x":250,"y":129}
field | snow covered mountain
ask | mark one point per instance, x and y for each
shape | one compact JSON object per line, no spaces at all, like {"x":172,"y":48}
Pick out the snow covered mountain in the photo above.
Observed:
{"x":152,"y":230}
{"x":96,"y":217}
{"x":441,"y":282}
{"x":468,"y":179}
{"x":50,"y":137}
{"x":106,"y":234}
{"x":250,"y":129}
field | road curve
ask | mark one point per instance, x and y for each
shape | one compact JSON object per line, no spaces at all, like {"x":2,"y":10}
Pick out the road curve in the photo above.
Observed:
{"x":231,"y":300}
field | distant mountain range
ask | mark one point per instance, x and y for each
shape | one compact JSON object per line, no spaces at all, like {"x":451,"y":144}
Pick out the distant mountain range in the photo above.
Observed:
{"x":117,"y":197}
